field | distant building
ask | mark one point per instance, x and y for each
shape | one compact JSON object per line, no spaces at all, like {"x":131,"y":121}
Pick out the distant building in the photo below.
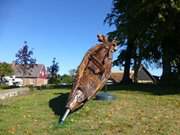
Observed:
{"x":144,"y":76}
{"x":36,"y":76}
{"x":117,"y":76}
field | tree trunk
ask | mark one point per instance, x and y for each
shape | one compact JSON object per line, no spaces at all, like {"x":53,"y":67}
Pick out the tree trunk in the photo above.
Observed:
{"x":126,"y":76}
{"x":178,"y":72}
{"x":166,"y":66}
{"x":137,"y":63}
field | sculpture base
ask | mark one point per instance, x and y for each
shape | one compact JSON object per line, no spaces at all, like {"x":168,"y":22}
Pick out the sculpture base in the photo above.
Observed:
{"x":104,"y":96}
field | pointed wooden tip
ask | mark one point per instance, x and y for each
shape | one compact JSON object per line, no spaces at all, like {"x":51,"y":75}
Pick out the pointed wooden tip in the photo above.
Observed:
{"x":65,"y":115}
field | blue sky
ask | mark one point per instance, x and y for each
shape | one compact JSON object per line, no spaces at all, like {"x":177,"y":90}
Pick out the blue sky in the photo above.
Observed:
{"x":64,"y":29}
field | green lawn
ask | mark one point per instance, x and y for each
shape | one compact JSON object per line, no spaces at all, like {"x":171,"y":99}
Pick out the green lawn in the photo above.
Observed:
{"x":132,"y":113}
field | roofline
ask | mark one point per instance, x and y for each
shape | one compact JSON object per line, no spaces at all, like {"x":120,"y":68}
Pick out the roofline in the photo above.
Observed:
{"x":149,"y":74}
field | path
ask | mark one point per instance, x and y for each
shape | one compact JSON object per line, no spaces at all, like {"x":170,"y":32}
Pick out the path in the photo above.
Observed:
{"x":13,"y":92}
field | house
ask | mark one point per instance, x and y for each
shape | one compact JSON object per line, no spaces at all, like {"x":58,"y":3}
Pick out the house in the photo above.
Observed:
{"x":36,"y":75}
{"x":117,"y":76}
{"x":143,"y":76}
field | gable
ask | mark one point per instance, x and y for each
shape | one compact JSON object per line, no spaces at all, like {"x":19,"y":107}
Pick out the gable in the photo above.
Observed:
{"x":145,"y":76}
{"x":43,"y":73}
{"x":142,"y":75}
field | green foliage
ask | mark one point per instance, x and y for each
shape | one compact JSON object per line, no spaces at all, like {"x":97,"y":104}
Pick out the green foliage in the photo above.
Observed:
{"x":72,"y":73}
{"x":54,"y":80}
{"x":5,"y":69}
{"x":66,"y":79}
{"x":24,"y":58}
{"x":4,"y":86}
{"x":152,"y":28}
{"x":53,"y":70}
{"x":24,"y":55}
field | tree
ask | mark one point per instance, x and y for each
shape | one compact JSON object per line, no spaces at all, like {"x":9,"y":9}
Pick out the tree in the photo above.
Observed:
{"x":168,"y":26}
{"x":72,"y":73}
{"x":5,"y":69}
{"x":24,"y":59}
{"x":151,"y":26}
{"x":66,"y":79}
{"x":53,"y":72}
{"x":123,"y":18}
{"x":164,"y":37}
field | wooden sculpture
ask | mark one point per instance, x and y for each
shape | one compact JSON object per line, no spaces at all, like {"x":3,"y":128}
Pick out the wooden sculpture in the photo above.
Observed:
{"x":92,"y":74}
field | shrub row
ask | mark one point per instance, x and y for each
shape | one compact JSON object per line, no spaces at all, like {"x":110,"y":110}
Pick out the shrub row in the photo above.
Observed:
{"x":50,"y":86}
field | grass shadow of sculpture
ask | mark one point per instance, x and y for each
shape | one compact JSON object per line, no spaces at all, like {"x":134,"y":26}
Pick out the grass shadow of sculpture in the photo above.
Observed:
{"x":58,"y":104}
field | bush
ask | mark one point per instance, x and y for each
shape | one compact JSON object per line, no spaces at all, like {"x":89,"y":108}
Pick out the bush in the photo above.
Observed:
{"x":4,"y":86}
{"x":50,"y":86}
{"x":31,"y":87}
{"x":43,"y":87}
{"x":54,"y":80}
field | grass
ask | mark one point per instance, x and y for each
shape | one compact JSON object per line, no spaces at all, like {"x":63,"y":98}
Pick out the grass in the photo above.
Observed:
{"x":132,"y":113}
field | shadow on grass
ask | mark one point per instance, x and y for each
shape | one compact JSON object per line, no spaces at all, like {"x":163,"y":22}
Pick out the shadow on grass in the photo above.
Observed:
{"x":150,"y":88}
{"x":57,"y":104}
